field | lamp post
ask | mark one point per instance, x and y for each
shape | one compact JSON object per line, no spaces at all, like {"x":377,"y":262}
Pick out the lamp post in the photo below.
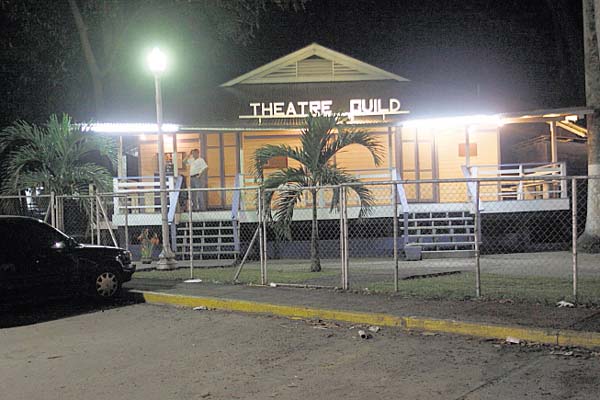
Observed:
{"x":157,"y":62}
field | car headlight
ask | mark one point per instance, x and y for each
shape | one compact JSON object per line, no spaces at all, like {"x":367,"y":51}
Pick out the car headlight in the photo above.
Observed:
{"x":124,"y":257}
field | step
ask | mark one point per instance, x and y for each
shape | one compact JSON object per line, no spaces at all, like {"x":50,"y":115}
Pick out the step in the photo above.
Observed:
{"x":204,"y":236}
{"x":207,"y":228}
{"x":467,"y":218}
{"x":447,"y":254}
{"x":216,"y":253}
{"x":444,"y":244}
{"x":434,"y":235}
{"x":442,"y":226}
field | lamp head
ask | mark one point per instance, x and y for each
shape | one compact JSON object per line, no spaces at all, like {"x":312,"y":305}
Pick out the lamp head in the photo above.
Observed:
{"x":157,"y":61}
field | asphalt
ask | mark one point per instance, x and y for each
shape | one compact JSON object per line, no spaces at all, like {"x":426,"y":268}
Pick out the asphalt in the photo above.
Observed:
{"x":472,"y":311}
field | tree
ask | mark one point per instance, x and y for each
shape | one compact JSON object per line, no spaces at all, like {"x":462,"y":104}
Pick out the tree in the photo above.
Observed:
{"x":84,"y":54}
{"x":589,"y":241}
{"x":59,"y":157}
{"x":321,"y":139}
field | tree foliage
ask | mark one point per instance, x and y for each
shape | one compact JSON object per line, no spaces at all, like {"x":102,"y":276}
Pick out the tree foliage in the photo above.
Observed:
{"x":321,"y":139}
{"x":58,"y":157}
{"x":79,"y":51}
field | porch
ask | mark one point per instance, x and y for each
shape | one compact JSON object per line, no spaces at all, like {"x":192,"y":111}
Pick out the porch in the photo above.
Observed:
{"x":502,"y":188}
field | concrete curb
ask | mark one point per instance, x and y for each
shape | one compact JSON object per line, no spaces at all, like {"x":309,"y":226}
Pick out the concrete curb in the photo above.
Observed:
{"x":482,"y":330}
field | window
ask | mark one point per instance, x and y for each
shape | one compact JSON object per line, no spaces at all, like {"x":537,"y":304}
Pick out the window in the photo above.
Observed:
{"x":42,"y":235}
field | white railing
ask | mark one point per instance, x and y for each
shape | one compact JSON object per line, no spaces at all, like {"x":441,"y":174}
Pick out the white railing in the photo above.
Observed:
{"x":365,"y":175}
{"x":529,"y":188}
{"x":142,"y":194}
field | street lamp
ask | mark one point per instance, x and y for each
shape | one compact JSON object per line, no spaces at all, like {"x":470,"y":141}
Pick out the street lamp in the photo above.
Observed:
{"x":157,"y":62}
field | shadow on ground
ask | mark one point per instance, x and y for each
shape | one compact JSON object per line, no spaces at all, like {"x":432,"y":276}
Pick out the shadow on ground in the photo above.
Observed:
{"x":13,"y":315}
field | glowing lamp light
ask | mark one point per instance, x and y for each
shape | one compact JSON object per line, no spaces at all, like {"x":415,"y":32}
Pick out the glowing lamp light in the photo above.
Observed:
{"x":132,"y":128}
{"x":157,"y":61}
{"x":453,"y":121}
{"x":571,"y":118}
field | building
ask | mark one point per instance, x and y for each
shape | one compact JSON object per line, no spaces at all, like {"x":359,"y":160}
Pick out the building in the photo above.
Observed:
{"x":428,"y":134}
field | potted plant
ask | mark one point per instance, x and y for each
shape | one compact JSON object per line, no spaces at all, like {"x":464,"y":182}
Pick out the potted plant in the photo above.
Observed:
{"x":148,"y":241}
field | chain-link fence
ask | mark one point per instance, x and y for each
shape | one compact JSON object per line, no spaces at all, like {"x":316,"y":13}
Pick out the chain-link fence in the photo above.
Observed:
{"x":510,"y":239}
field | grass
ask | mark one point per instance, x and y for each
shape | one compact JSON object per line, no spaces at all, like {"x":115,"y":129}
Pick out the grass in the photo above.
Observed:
{"x":529,"y":289}
{"x":249,"y":275}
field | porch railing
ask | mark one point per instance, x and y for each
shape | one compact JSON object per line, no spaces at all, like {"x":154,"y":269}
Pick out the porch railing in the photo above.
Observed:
{"x":519,"y":189}
{"x":143,"y":193}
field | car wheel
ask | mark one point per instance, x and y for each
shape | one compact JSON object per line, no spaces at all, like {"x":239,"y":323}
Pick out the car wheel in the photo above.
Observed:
{"x":107,"y":285}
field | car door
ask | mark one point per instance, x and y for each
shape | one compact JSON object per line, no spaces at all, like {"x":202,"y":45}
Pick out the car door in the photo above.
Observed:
{"x":49,"y":267}
{"x":11,"y":269}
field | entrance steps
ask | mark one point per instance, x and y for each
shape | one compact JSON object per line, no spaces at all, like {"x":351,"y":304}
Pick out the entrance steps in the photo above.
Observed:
{"x":210,"y":240}
{"x":442,"y":234}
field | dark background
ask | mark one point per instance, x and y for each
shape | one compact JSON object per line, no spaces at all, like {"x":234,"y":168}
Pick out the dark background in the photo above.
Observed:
{"x":518,"y":54}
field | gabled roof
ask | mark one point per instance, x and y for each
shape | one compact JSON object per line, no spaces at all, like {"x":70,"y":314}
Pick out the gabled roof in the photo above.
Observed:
{"x":314,"y":63}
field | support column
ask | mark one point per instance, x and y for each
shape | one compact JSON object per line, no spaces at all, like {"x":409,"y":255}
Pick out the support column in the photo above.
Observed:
{"x":553,"y":143}
{"x":175,"y":156}
{"x":120,"y":166}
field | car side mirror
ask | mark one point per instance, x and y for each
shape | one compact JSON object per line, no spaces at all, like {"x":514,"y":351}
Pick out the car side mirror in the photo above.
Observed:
{"x":59,"y":245}
{"x":72,"y":242}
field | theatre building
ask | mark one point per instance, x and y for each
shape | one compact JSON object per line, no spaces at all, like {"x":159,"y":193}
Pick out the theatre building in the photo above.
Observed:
{"x":426,"y":133}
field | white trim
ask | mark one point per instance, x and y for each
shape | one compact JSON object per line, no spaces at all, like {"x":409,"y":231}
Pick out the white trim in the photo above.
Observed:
{"x":349,"y":115}
{"x":314,"y":49}
{"x":130,"y":128}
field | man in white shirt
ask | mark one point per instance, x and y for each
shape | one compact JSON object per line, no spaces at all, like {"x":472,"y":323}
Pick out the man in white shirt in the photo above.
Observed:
{"x":197,"y":167}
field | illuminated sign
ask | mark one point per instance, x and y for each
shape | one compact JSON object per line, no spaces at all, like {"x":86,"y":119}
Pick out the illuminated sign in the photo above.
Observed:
{"x":301,"y":109}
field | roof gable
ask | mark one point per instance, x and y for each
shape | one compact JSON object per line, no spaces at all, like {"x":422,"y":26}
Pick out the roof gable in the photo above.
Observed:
{"x":314,"y":63}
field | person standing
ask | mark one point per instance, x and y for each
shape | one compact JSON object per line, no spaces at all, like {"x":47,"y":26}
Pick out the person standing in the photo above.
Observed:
{"x":197,"y":167}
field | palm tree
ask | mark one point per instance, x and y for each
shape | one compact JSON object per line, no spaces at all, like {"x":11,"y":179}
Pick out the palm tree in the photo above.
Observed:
{"x":321,"y":139}
{"x":59,"y":157}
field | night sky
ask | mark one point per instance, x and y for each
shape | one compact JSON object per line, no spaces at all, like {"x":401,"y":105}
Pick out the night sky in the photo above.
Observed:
{"x":522,"y":54}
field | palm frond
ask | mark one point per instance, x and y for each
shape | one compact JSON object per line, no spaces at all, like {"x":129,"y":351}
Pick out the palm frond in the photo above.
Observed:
{"x":288,"y":183}
{"x":335,"y":177}
{"x":267,"y":152}
{"x":57,"y":156}
{"x":346,"y":138}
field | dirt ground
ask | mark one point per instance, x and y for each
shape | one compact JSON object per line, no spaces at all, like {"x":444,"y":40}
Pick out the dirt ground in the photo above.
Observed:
{"x":149,"y":352}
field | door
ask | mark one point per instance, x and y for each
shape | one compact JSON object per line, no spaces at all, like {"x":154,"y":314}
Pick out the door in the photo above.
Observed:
{"x":418,"y":162}
{"x":221,"y":153}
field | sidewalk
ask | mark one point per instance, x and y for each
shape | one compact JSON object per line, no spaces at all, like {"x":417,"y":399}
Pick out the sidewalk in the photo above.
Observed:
{"x":480,"y":318}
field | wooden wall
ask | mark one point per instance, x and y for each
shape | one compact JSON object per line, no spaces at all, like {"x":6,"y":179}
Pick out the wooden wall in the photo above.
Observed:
{"x":438,"y":153}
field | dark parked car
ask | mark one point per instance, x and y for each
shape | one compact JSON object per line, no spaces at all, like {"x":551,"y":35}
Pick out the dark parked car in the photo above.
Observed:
{"x":37,"y":260}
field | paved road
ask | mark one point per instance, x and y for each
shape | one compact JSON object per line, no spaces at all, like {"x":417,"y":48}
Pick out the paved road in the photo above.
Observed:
{"x":149,"y":352}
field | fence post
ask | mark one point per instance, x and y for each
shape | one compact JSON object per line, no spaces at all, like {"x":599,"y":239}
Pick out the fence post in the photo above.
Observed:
{"x":261,"y":238}
{"x":574,"y":234}
{"x":97,"y":209}
{"x":91,"y":214}
{"x":342,"y":241}
{"x":59,"y":201}
{"x":190,"y":231}
{"x":126,"y":222}
{"x":477,"y":240}
{"x":395,"y":220}
{"x":53,"y":209}
{"x":106,"y":222}
{"x":346,"y":283}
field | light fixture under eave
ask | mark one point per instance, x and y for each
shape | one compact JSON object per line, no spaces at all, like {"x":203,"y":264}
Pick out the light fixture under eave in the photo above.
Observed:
{"x":572,"y":118}
{"x":130,"y":128}
{"x":453,"y":121}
